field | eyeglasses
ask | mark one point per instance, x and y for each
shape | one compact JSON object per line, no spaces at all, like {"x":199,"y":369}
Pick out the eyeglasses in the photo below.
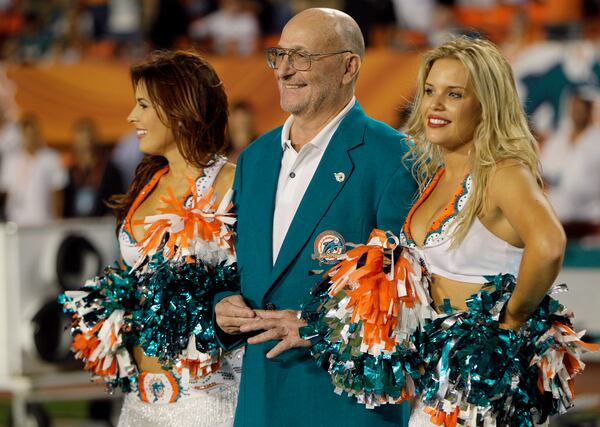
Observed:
{"x":300,"y":61}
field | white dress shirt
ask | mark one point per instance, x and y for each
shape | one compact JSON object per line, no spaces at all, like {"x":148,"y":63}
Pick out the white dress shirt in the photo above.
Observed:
{"x":297,"y":170}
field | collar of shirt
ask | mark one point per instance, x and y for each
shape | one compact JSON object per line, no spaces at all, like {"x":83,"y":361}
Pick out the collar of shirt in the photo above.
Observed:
{"x":321,"y":140}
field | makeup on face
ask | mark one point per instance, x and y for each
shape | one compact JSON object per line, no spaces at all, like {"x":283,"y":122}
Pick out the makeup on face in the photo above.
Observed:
{"x":449,"y":108}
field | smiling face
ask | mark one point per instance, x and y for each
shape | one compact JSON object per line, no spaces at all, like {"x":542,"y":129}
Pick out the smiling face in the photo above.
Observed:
{"x":449,"y":109}
{"x":321,"y":90}
{"x":155,"y":138}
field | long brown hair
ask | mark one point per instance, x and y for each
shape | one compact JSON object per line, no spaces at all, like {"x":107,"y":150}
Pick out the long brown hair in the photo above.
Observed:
{"x":190,"y":100}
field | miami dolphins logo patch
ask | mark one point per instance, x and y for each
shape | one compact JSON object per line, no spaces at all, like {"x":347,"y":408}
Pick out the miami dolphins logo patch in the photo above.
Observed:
{"x":329,"y":247}
{"x":158,"y":388}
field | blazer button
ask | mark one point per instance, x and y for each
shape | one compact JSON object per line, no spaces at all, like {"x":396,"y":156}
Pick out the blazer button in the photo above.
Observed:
{"x":270,"y":306}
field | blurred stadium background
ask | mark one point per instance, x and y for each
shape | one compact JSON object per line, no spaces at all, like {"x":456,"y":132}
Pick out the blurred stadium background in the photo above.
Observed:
{"x":64,"y":73}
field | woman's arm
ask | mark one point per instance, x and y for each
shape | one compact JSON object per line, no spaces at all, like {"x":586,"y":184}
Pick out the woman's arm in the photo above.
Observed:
{"x":514,"y":191}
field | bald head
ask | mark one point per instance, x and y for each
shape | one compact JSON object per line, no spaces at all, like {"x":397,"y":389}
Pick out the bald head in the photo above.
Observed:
{"x":332,"y":27}
{"x":332,"y":46}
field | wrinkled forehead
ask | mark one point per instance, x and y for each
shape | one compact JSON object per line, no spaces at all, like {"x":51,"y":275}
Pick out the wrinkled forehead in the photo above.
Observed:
{"x":316,"y":34}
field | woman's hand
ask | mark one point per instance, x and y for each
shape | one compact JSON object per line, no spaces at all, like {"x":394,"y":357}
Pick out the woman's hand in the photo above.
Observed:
{"x":514,"y":325}
{"x":511,"y":321}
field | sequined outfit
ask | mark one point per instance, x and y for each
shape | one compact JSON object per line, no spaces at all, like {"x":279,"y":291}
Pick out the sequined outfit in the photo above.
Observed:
{"x":479,"y":255}
{"x":465,"y":352}
{"x":194,"y":406}
{"x":162,"y":302}
{"x":372,"y":325}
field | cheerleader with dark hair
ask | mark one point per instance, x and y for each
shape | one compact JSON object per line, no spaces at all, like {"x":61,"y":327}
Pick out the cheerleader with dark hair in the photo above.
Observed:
{"x":145,"y":326}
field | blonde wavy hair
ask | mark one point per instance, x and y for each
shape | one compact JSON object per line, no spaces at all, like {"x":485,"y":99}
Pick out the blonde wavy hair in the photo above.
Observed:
{"x":502,"y":134}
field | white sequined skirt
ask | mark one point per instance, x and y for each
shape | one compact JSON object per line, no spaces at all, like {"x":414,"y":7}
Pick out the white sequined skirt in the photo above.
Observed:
{"x":419,"y":418}
{"x":215,"y":409}
{"x":171,"y":399}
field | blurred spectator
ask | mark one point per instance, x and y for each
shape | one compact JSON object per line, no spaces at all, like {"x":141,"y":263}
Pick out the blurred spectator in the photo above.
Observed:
{"x":443,"y":23}
{"x":125,"y":25}
{"x":571,"y":163}
{"x":561,"y":146}
{"x":126,"y":156}
{"x":10,"y":134}
{"x":34,"y":30}
{"x":560,"y":19}
{"x":273,"y":15}
{"x":45,"y":31}
{"x":10,"y":131}
{"x":369,"y":14}
{"x":169,"y":24}
{"x":11,"y":22}
{"x":69,"y":36}
{"x":32,"y":179}
{"x":242,"y":130}
{"x":92,"y":178}
{"x":413,"y":18}
{"x":98,"y":13}
{"x":428,"y":22}
{"x":233,"y":28}
{"x":35,"y":40}
{"x":199,"y":8}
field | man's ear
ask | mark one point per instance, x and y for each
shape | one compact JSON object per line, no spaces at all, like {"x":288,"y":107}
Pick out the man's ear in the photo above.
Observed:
{"x":353,"y":64}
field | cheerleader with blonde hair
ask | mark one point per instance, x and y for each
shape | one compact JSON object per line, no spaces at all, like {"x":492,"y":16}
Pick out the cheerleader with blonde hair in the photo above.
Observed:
{"x":472,"y":330}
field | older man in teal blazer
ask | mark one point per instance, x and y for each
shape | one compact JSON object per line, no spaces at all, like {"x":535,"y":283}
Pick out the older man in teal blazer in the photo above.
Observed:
{"x":328,"y":176}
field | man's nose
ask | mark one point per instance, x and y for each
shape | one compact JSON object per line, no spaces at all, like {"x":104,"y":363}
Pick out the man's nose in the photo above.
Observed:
{"x":285,"y":67}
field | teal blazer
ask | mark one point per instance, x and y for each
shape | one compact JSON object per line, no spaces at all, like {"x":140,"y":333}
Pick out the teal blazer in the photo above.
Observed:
{"x":377,"y":191}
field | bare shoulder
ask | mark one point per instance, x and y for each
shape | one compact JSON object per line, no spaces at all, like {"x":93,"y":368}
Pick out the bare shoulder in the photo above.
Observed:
{"x":516,"y":195}
{"x":513,"y":182}
{"x":224,"y":180}
{"x":227,"y":172}
{"x":508,"y":166}
{"x":509,"y":173}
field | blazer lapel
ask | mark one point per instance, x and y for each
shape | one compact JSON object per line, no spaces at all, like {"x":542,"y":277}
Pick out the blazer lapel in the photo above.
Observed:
{"x":264,"y":192}
{"x":323,"y":188}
